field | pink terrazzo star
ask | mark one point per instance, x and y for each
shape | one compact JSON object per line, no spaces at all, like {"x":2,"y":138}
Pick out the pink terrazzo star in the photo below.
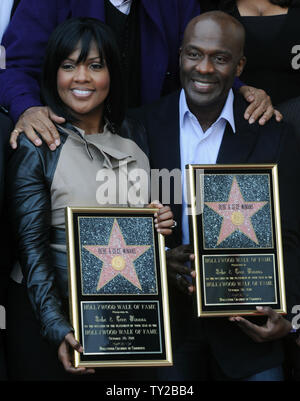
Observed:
{"x":236,"y":214}
{"x":117,"y":258}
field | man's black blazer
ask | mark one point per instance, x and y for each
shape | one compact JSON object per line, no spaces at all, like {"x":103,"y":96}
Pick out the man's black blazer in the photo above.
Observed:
{"x":236,"y":353}
{"x":14,"y":7}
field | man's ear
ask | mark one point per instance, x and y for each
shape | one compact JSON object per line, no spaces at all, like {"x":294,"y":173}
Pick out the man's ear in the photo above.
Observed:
{"x":241,"y":65}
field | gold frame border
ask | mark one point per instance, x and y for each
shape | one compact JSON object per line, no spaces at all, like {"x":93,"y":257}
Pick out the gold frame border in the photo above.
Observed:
{"x":280,"y":268}
{"x":73,"y":296}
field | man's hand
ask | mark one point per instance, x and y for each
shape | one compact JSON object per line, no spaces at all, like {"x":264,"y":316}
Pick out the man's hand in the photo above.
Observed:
{"x":275,"y":327}
{"x":65,"y":357}
{"x":39,"y":119}
{"x":260,"y":105}
{"x":177,"y":270}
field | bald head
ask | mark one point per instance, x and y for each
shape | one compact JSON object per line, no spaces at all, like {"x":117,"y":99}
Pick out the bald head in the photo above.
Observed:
{"x":224,"y":24}
{"x":211,"y":57}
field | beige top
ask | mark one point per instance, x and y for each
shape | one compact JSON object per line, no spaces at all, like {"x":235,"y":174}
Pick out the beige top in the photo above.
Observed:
{"x":98,"y":170}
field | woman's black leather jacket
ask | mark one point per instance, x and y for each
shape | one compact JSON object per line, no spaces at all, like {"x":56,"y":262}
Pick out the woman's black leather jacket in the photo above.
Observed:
{"x":29,"y":176}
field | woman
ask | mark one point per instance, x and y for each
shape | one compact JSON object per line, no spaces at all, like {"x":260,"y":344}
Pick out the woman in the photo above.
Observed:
{"x":272,"y":42}
{"x":82,"y":82}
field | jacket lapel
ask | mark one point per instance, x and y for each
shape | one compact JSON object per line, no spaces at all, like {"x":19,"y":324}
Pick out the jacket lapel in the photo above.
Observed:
{"x":237,"y":147}
{"x":15,"y":5}
{"x":172,"y":143}
{"x":166,"y":148}
{"x":165,"y":152}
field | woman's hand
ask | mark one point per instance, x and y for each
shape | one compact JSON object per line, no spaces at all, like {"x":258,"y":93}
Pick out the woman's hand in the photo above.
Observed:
{"x":41,"y":120}
{"x":65,"y":357}
{"x":163,"y":218}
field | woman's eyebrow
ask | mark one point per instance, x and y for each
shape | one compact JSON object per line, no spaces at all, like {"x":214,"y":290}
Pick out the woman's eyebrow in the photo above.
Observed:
{"x":94,"y":58}
{"x":74,"y":61}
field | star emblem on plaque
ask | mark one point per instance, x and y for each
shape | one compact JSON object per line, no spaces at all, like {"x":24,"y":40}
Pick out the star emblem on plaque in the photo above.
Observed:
{"x":236,"y":214}
{"x":233,"y":217}
{"x":115,"y":262}
{"x":118,"y":258}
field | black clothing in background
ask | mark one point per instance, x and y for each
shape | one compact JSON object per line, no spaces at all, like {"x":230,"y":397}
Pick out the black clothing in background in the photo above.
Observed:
{"x":127,"y":32}
{"x":6,"y":126}
{"x":6,"y":248}
{"x":268,"y":48}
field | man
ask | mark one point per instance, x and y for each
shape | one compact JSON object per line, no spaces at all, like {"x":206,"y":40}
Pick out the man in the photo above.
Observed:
{"x":204,"y":124}
{"x":149,"y":38}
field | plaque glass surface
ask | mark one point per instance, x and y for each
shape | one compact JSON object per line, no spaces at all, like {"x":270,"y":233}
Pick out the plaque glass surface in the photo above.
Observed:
{"x":118,"y":287}
{"x":234,"y":217}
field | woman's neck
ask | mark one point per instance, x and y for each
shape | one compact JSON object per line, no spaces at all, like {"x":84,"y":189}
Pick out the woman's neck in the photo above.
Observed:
{"x":90,"y":125}
{"x":259,"y":8}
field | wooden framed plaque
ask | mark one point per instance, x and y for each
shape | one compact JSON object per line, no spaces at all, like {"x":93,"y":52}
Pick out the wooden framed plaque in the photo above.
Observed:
{"x":118,"y":287}
{"x":236,"y":233}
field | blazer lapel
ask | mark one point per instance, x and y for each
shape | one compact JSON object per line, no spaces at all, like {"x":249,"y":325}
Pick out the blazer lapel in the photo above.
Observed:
{"x":166,"y":148}
{"x":165,"y":152}
{"x":172,"y":143}
{"x":14,"y":7}
{"x":237,"y":147}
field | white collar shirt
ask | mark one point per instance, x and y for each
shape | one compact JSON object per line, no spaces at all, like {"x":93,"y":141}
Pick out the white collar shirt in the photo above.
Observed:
{"x":122,"y":5}
{"x":199,"y":147}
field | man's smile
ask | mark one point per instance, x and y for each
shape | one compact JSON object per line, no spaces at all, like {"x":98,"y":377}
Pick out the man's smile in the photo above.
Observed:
{"x":204,"y":85}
